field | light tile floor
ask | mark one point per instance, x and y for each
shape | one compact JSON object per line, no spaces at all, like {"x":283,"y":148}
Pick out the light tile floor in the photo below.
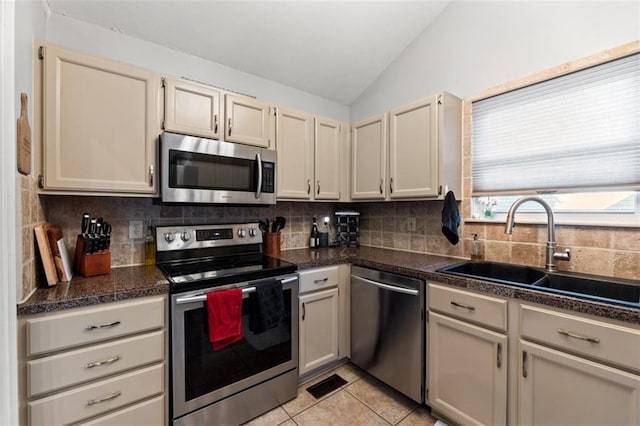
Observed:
{"x":363,"y":400}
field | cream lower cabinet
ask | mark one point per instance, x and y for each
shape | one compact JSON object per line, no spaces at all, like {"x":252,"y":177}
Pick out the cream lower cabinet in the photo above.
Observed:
{"x":323,"y":317}
{"x":100,"y":124}
{"x":575,"y":370}
{"x":467,"y":362}
{"x":309,"y":161}
{"x":98,"y":365}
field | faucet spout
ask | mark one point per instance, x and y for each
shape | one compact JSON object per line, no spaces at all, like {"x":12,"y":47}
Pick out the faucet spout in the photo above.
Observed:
{"x":551,"y":255}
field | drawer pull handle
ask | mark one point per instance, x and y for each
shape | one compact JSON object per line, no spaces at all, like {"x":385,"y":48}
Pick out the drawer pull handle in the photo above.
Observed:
{"x":105,"y":362}
{"x":324,"y":280}
{"x":459,"y":305}
{"x":578,"y":336}
{"x":95,"y":327}
{"x":499,"y":356}
{"x":103,"y":399}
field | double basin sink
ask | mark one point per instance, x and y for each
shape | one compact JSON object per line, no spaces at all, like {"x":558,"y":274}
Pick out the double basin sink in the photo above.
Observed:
{"x":620,"y":292}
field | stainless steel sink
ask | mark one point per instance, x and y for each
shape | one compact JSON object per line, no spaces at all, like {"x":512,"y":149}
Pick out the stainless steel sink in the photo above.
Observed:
{"x":502,"y":273}
{"x":604,"y":289}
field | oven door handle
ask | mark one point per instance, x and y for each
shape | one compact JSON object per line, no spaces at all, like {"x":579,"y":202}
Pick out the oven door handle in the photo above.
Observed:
{"x":203,"y":297}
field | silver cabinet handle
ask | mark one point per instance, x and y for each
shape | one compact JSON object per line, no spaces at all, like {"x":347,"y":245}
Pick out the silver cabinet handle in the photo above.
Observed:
{"x":318,"y":187}
{"x":499,"y":356}
{"x":230,"y":125}
{"x":104,"y":399}
{"x":391,"y":185}
{"x":95,"y":327}
{"x":105,"y":362}
{"x":524,"y":364}
{"x":459,"y":305}
{"x":381,"y":183}
{"x":308,"y":186}
{"x":324,"y":280}
{"x":304,"y":311}
{"x":215,"y":123}
{"x":578,"y":336}
{"x":151,"y":175}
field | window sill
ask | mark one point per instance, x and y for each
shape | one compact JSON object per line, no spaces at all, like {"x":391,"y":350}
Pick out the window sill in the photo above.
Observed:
{"x":558,"y":222}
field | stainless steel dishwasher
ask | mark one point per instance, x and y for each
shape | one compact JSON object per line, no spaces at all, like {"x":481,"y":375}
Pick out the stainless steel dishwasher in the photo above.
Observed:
{"x":388,"y":329}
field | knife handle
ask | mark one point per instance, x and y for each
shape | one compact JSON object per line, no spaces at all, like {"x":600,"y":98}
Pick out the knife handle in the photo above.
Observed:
{"x":84,"y":228}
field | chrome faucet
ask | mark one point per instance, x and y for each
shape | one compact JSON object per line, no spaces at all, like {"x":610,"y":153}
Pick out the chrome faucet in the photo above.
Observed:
{"x":552,"y":255}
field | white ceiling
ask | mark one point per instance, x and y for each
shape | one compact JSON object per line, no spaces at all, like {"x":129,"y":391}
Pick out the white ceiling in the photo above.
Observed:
{"x":334,"y":49}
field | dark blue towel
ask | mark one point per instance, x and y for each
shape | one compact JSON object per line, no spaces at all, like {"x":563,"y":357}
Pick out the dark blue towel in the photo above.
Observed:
{"x":267,"y":307}
{"x":450,"y":218}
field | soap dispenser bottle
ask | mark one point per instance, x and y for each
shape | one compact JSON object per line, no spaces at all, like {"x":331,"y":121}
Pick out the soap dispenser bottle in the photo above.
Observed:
{"x":477,"y":250}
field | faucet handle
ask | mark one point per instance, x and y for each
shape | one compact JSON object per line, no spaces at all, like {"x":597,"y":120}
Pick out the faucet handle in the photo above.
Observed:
{"x":563,"y":256}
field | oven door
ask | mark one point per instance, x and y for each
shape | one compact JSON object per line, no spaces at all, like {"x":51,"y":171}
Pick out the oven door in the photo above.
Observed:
{"x":201,"y":376}
{"x":198,"y":170}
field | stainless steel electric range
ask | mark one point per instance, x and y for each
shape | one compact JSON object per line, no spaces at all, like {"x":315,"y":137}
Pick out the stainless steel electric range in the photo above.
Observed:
{"x":251,"y":376}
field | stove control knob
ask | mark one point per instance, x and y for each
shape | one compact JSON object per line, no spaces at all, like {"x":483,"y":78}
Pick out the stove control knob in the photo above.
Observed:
{"x":253,"y":232}
{"x":169,"y":237}
{"x":242,"y":233}
{"x":185,"y":236}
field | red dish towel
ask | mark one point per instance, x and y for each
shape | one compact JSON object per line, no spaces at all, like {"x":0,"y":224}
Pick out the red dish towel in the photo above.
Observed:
{"x":224,"y":312}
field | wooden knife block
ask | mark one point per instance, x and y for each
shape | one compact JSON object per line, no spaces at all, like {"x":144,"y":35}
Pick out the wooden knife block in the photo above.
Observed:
{"x":90,"y":264}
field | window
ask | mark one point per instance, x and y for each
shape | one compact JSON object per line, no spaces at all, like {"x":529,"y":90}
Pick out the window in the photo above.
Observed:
{"x":574,"y":138}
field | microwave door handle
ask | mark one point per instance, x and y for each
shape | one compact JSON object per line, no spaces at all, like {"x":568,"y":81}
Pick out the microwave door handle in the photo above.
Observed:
{"x":259,"y":188}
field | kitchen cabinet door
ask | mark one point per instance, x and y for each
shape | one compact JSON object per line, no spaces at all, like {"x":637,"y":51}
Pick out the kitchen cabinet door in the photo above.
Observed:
{"x":369,"y":158}
{"x":413,"y":150}
{"x":100,"y":124}
{"x":318,"y":329}
{"x":327,"y":159}
{"x":247,"y":121}
{"x":294,"y":137}
{"x":191,"y":108}
{"x":467,"y":372}
{"x":562,"y":389}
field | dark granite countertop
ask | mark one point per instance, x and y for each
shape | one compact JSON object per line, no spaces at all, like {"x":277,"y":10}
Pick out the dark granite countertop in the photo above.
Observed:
{"x":424,"y":267}
{"x":138,"y":281}
{"x":119,"y":284}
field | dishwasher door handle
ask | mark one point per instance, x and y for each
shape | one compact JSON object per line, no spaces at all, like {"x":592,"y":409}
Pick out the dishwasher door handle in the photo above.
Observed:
{"x":403,"y":290}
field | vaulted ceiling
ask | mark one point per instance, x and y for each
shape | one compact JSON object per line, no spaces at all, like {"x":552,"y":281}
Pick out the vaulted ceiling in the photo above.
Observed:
{"x":334,"y":49}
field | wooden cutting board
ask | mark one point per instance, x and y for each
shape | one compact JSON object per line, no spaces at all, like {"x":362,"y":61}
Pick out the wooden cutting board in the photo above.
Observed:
{"x":24,"y":138}
{"x":44,"y":248}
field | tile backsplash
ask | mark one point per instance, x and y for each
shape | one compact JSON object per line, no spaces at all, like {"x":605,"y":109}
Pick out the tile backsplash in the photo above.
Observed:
{"x":598,"y":250}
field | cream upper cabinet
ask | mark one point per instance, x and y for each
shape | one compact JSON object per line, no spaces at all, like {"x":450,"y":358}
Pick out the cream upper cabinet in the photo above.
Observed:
{"x":247,"y":121}
{"x":191,"y":108}
{"x":413,"y":150}
{"x":309,"y":164}
{"x":422,"y":158}
{"x":100,"y":124}
{"x":327,"y":159}
{"x":294,"y":137}
{"x":369,"y":158}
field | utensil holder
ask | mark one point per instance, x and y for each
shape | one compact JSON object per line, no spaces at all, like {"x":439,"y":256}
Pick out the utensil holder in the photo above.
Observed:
{"x":90,"y":264}
{"x":271,"y":242}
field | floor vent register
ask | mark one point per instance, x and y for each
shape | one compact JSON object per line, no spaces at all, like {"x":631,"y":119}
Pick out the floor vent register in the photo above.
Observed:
{"x":326,"y":386}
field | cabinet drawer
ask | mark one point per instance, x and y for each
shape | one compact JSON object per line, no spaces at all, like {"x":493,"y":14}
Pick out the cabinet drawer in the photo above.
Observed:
{"x":74,"y":367}
{"x":318,"y":278}
{"x":596,"y":339}
{"x":97,"y":398}
{"x":74,"y":328}
{"x":478,"y":308}
{"x":149,"y":413}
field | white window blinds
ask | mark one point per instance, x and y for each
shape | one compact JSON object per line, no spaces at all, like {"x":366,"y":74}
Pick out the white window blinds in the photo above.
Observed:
{"x":575,"y":132}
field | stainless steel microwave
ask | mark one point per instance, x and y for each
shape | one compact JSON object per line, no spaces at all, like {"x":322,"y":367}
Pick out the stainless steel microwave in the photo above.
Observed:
{"x":199,"y":170}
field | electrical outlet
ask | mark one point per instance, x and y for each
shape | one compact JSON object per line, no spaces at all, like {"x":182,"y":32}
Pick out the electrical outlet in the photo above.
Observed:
{"x":135,"y":229}
{"x":411,"y":224}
